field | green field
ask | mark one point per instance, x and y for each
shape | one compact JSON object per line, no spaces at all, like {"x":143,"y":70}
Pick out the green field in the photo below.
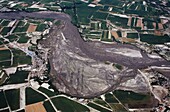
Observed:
{"x":66,"y":105}
{"x":12,"y":38}
{"x":21,"y":29}
{"x":134,"y":99}
{"x":132,"y":35}
{"x":97,"y":16}
{"x":41,"y":27}
{"x":93,"y":37}
{"x":5,"y":55}
{"x":6,"y":110}
{"x":20,"y":58}
{"x":126,"y":96}
{"x":101,"y":102}
{"x":5,"y":64}
{"x":3,"y":103}
{"x":109,"y":98}
{"x":5,"y":30}
{"x":21,"y":24}
{"x":111,"y":2}
{"x":104,"y":26}
{"x":23,"y":38}
{"x":30,"y":1}
{"x":5,"y":23}
{"x":84,"y":12}
{"x":150,"y":25}
{"x":13,"y":97}
{"x":58,"y":22}
{"x":33,"y":96}
{"x":32,"y":9}
{"x":23,"y":75}
{"x":47,"y":1}
{"x":118,"y":21}
{"x":118,"y":107}
{"x":119,"y":67}
{"x":1,"y":42}
{"x":153,"y":39}
{"x":48,"y":106}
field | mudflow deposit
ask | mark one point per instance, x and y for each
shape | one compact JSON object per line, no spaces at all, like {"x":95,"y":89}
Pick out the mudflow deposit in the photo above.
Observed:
{"x":88,"y":69}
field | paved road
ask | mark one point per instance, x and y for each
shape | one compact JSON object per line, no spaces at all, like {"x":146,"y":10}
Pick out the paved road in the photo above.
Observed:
{"x":13,"y":86}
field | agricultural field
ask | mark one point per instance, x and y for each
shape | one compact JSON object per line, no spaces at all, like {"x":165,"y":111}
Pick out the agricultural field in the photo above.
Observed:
{"x":33,"y":96}
{"x":47,"y":92}
{"x":5,"y":55}
{"x":13,"y":98}
{"x":132,"y":35}
{"x":18,"y":31}
{"x":3,"y":103}
{"x":153,"y":39}
{"x":100,"y":104}
{"x":64,"y":104}
{"x":3,"y":77}
{"x":118,"y":100}
{"x":134,"y":100}
{"x":37,"y":107}
{"x":13,"y":79}
{"x":48,"y":106}
{"x":20,"y":58}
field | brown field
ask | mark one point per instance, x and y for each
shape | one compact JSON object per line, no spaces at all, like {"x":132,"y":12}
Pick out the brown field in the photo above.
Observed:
{"x":96,"y":1}
{"x":129,"y":40}
{"x":114,"y":33}
{"x":24,"y":5}
{"x":129,"y":21}
{"x":37,"y":107}
{"x":3,"y":48}
{"x":31,"y":28}
{"x":139,"y":23}
{"x":160,"y":26}
{"x":142,"y":26}
{"x":154,"y":25}
{"x":158,"y":33}
{"x":1,"y":28}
